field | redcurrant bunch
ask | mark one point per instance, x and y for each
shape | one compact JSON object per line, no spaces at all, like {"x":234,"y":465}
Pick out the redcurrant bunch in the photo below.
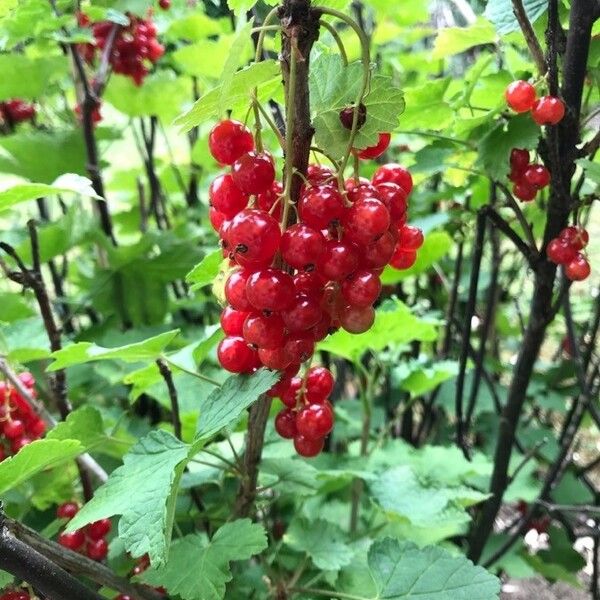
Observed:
{"x":90,"y":539}
{"x":19,"y":423}
{"x":527,"y":177}
{"x":566,"y":250}
{"x":522,"y":97}
{"x":16,"y":111}
{"x":15,"y":595}
{"x":287,"y":290}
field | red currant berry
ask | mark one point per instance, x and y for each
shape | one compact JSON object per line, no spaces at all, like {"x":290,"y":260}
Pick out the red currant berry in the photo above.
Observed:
{"x":357,"y":319}
{"x":254,"y":236}
{"x":226,"y":197}
{"x":37,"y":428}
{"x":123,"y":597}
{"x":235,"y":290}
{"x":523,"y":191}
{"x":27,"y":379}
{"x":520,"y":96}
{"x":304,"y":314}
{"x":236,"y":356}
{"x":366,"y":221}
{"x":322,"y":329}
{"x":216,"y":218}
{"x":308,"y":447}
{"x":536,"y":176}
{"x":99,"y":529}
{"x":357,"y":190}
{"x":319,"y":175}
{"x":97,"y":549}
{"x":309,"y":283}
{"x":371,"y":152}
{"x":275,"y":359}
{"x":394,"y":197}
{"x":270,"y":289}
{"x":548,"y":110}
{"x":339,"y":261}
{"x":164,"y":4}
{"x":560,"y":251}
{"x":228,"y":140}
{"x":302,"y":247}
{"x":578,"y":269}
{"x":519,"y":159}
{"x":379,"y":253}
{"x":315,"y":421}
{"x":577,"y":237}
{"x":347,"y":116}
{"x":393,"y":173}
{"x":72,"y":541}
{"x":14,"y":429}
{"x":19,"y":443}
{"x":321,"y":206}
{"x":362,"y":288}
{"x":319,"y":384}
{"x":291,"y":394}
{"x":268,"y":199}
{"x":15,"y":595}
{"x":300,"y":347}
{"x":410,"y":238}
{"x":264,"y":331}
{"x":67,"y":510}
{"x":285,"y":423}
{"x":232,"y":321}
{"x":403,"y":259}
{"x":254,"y":173}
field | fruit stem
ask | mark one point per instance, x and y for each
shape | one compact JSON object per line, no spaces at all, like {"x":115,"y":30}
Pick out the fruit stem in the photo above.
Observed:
{"x":270,"y":122}
{"x":338,"y":40}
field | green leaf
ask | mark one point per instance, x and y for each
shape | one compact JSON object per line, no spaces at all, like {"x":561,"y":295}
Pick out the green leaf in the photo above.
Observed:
{"x":240,"y":44}
{"x":28,"y":78}
{"x":436,"y":245}
{"x":192,"y":27}
{"x":501,"y":14}
{"x":25,"y":340}
{"x":205,"y":271}
{"x":454,"y":40}
{"x":425,"y":106}
{"x":23,"y":192}
{"x":84,"y":352}
{"x":398,"y":326}
{"x":401,"y":571}
{"x":198,"y":568}
{"x":426,"y":378}
{"x":35,"y":457}
{"x":143,"y":492}
{"x":592,"y":169}
{"x":322,"y":541}
{"x":84,"y":424}
{"x":240,"y":6}
{"x":226,"y":403}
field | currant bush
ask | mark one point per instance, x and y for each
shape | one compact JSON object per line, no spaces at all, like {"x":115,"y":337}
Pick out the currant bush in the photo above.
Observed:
{"x":566,"y":250}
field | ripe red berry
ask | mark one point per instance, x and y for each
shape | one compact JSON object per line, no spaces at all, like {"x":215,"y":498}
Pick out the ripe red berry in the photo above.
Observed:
{"x":378,"y":149}
{"x":97,"y":549}
{"x":393,"y":173}
{"x":305,"y":313}
{"x":216,"y":218}
{"x":72,"y":541}
{"x":578,"y":269}
{"x":164,"y":4}
{"x":366,"y":221}
{"x":347,"y":116}
{"x":290,"y":394}
{"x":560,"y":251}
{"x":236,"y":356}
{"x":67,"y":510}
{"x":232,"y":321}
{"x":520,"y":96}
{"x":98,"y":529}
{"x":275,"y":359}
{"x":548,"y":110}
{"x":308,"y":447}
{"x":228,"y":140}
{"x":410,"y":238}
{"x":253,"y":173}
{"x":27,"y":379}
{"x":357,"y":190}
{"x":577,"y":237}
{"x":235,"y":290}
{"x":226,"y":197}
{"x":523,"y":191}
{"x":15,"y":595}
{"x":310,"y":283}
{"x":13,"y":429}
{"x":285,"y":423}
{"x":270,"y":289}
{"x":362,"y":288}
{"x":264,"y":331}
{"x":379,"y":253}
{"x":519,"y":159}
{"x":302,"y":247}
{"x":300,"y":347}
{"x":322,"y":329}
{"x":319,"y":175}
{"x":403,"y":259}
{"x":339,"y":261}
{"x":315,"y":421}
{"x":19,"y":443}
{"x":394,"y":197}
{"x":536,"y":176}
{"x":36,"y":428}
{"x":319,"y":384}
{"x":321,"y":206}
{"x":123,"y":597}
{"x":357,"y":319}
{"x":266,"y":200}
{"x":254,"y":237}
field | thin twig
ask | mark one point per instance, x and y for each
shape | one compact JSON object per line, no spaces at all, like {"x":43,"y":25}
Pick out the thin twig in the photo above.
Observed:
{"x":533,"y":43}
{"x":168,"y":377}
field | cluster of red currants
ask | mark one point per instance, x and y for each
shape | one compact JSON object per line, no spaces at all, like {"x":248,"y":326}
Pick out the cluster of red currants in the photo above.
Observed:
{"x":527,"y":177}
{"x":91,"y":539}
{"x":16,"y":111}
{"x":15,"y":595}
{"x":142,"y":565}
{"x":566,"y":250}
{"x":134,"y":46}
{"x":522,"y":97}
{"x":19,"y":423}
{"x":289,"y":290}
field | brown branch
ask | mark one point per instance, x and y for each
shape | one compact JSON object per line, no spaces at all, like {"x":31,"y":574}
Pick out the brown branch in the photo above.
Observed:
{"x":533,"y":43}
{"x":168,"y":377}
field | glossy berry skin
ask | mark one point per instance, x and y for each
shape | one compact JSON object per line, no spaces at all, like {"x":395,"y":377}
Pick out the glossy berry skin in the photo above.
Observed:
{"x":15,"y":595}
{"x":523,"y":191}
{"x":310,"y":283}
{"x":577,"y":237}
{"x":536,"y":176}
{"x":19,"y":443}
{"x":226,"y":197}
{"x":216,"y":218}
{"x":519,"y":159}
{"x":315,"y":421}
{"x":394,"y":197}
{"x":359,"y":190}
{"x":560,"y":251}
{"x":97,"y":549}
{"x":236,"y":356}
{"x":253,"y":172}
{"x":235,"y":290}
{"x":304,"y":314}
{"x":347,"y":116}
{"x":67,"y":510}
{"x":366,"y":221}
{"x":578,"y":269}
{"x":377,"y":150}
{"x":520,"y":96}
{"x":98,"y":529}
{"x":410,"y":238}
{"x":285,"y":423}
{"x":232,"y":321}
{"x":393,"y":173}
{"x":339,"y":261}
{"x":379,"y":253}
{"x":270,"y":289}
{"x":548,"y":110}
{"x":275,"y":359}
{"x":321,"y":206}
{"x":72,"y":541}
{"x":302,"y":246}
{"x":267,"y":200}
{"x":264,"y":331}
{"x":164,"y":4}
{"x":254,"y":237}
{"x":308,"y":447}
{"x":300,"y":347}
{"x":228,"y":140}
{"x":362,"y":288}
{"x":290,"y":395}
{"x":13,"y":429}
{"x":319,"y":384}
{"x":357,"y":319}
{"x":319,"y":175}
{"x":123,"y":597}
{"x":403,"y":259}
